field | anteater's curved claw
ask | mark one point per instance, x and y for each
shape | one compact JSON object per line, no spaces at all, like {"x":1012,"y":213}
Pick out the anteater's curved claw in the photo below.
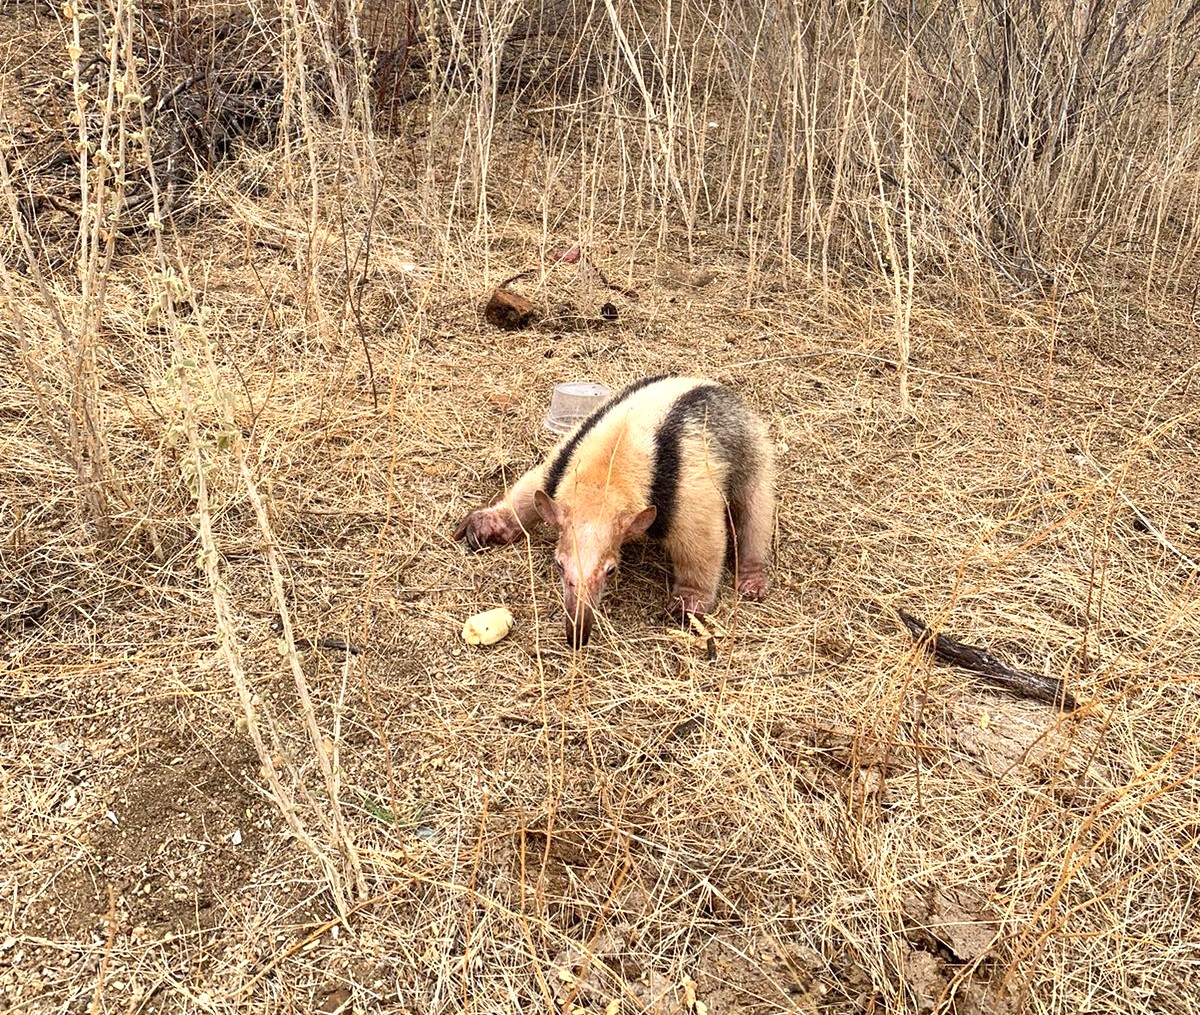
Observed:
{"x":489,"y":526}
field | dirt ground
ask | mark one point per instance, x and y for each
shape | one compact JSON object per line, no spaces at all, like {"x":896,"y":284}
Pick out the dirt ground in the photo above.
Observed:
{"x":819,"y":819}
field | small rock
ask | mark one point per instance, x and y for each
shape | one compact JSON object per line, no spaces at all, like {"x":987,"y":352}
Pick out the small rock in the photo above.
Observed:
{"x":508,"y":310}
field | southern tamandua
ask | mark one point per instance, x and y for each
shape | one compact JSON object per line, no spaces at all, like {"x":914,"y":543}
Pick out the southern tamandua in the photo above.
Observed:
{"x":681,"y":459}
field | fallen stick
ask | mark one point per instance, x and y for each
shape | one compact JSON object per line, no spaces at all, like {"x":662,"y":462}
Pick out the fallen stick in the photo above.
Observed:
{"x":1028,"y":685}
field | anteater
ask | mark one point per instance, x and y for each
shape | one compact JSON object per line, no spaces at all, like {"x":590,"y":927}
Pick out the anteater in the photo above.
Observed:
{"x":680,"y":459}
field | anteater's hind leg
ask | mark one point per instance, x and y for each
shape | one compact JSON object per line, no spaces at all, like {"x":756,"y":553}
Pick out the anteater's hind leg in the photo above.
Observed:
{"x":753,"y":516}
{"x":696,"y":546}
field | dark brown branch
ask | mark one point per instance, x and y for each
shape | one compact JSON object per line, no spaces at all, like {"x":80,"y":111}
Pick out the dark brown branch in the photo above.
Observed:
{"x":337,"y":644}
{"x":1021,"y":682}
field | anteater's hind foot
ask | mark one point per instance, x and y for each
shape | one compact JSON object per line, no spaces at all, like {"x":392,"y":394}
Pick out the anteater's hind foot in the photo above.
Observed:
{"x":754,"y":519}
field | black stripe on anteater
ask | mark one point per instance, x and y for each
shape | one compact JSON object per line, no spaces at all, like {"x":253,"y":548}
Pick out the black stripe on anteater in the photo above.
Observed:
{"x":718,"y":413}
{"x":554,"y":474}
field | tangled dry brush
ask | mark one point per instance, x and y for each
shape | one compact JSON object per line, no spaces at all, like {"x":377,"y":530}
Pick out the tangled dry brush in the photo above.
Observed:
{"x":949,"y":252}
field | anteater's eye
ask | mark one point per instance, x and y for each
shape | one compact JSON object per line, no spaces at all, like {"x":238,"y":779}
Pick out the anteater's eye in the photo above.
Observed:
{"x":558,"y":565}
{"x":608,"y":571}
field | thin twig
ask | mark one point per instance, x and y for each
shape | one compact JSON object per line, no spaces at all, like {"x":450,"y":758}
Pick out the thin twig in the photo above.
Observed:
{"x":1138,"y":513}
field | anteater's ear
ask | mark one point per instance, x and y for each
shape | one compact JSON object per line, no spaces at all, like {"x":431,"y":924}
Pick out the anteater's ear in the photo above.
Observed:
{"x":640,"y":522}
{"x":547,"y":510}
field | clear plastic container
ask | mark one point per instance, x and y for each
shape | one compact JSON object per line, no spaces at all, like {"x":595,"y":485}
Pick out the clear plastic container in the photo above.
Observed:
{"x":572,"y":403}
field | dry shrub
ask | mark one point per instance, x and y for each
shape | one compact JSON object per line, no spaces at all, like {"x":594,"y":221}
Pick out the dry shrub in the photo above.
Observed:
{"x":250,"y":394}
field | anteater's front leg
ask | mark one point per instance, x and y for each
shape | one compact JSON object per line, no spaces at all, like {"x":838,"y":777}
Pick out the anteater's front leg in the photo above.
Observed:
{"x":696,"y":545}
{"x":507,"y":518}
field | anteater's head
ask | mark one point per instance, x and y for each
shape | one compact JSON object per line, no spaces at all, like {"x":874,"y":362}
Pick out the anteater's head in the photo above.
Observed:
{"x":590,"y":536}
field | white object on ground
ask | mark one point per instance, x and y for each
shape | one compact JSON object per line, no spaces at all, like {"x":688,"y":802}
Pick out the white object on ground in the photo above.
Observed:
{"x":488,"y":627}
{"x":572,"y":403}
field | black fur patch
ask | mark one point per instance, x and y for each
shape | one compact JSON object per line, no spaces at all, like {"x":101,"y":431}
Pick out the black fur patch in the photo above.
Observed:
{"x":554,"y":473}
{"x":714,"y":410}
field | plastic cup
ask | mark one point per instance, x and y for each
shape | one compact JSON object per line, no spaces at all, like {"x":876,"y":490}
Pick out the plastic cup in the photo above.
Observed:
{"x":572,"y":403}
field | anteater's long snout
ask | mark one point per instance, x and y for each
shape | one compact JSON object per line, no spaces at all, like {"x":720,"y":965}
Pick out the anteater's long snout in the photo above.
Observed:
{"x":579,"y":622}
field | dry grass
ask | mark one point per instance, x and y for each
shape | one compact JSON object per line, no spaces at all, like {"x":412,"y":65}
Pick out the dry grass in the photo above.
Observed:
{"x":234,"y":437}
